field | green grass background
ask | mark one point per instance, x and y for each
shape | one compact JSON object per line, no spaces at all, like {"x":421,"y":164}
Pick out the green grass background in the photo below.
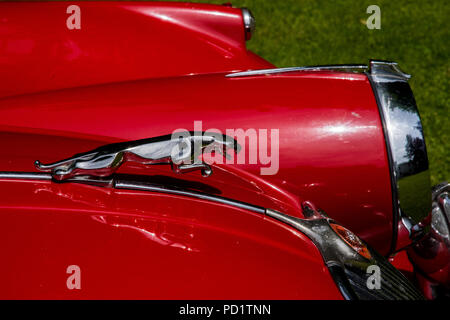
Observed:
{"x":413,"y":33}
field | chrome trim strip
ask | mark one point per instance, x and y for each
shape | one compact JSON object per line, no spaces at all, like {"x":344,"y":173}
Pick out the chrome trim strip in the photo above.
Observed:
{"x":121,"y":184}
{"x":337,"y":254}
{"x":405,"y":143}
{"x":130,"y":185}
{"x":346,"y":266}
{"x":344,"y":67}
{"x":25,"y":175}
{"x":331,"y":246}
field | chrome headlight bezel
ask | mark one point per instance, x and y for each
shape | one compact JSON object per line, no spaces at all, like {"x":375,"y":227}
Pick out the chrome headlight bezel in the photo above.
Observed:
{"x":405,"y":144}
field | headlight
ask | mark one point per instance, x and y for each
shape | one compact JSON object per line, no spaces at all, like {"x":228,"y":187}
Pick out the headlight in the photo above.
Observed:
{"x":405,"y":143}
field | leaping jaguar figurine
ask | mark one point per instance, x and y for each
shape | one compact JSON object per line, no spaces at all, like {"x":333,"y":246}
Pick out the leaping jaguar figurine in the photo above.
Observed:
{"x":182,"y":151}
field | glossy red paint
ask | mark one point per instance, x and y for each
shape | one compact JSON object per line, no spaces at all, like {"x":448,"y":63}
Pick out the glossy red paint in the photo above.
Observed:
{"x":431,"y":256}
{"x":227,"y":181}
{"x":331,"y":146}
{"x":118,"y":41}
{"x":401,"y":262}
{"x":133,"y":245}
{"x":156,"y":68}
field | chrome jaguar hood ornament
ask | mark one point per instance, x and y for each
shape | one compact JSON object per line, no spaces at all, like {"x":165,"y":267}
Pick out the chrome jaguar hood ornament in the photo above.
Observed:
{"x":181,"y":150}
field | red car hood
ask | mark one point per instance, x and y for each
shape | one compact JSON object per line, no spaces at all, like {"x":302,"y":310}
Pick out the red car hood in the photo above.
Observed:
{"x":331,"y":144}
{"x":140,"y":245}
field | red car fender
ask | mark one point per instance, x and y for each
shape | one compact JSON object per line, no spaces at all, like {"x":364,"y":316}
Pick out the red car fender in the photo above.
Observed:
{"x":133,"y":245}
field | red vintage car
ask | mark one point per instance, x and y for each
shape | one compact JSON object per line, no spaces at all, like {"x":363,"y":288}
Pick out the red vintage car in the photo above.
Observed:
{"x":147,"y":154}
